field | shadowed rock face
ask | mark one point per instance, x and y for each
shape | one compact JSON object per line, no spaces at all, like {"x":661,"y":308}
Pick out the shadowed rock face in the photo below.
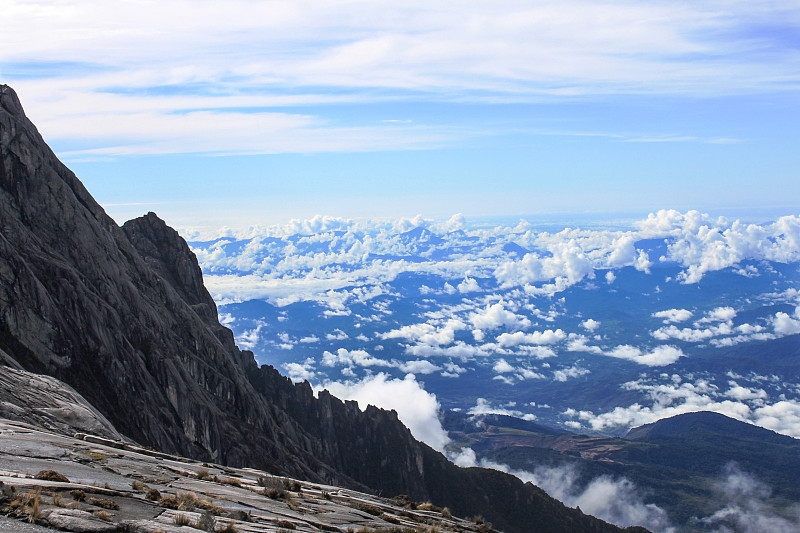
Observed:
{"x":121,"y":315}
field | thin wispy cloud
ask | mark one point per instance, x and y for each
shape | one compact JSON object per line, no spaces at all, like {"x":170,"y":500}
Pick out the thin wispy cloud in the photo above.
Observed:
{"x":147,"y":78}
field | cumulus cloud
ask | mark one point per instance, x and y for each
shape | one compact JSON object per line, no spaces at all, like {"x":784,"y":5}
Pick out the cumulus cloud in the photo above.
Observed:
{"x":785,"y":324}
{"x":416,"y":408}
{"x":502,"y":367}
{"x":335,"y":261}
{"x":719,"y":314}
{"x":337,"y":335}
{"x":677,"y":397}
{"x":548,"y":336}
{"x":485,"y":407}
{"x":300,"y":371}
{"x":468,"y":285}
{"x":495,"y":316}
{"x":539,"y":352}
{"x":673,"y":315}
{"x":427,"y":333}
{"x":659,"y":356}
{"x":418,"y":366}
{"x":564,"y":374}
{"x":590,"y":324}
{"x":352,"y":358}
{"x":568,"y":262}
{"x":703,"y":244}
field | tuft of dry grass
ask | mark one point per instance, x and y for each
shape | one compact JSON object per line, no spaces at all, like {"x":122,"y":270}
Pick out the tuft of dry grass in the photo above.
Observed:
{"x":97,"y":456}
{"x":34,"y":512}
{"x":105,"y":503}
{"x":367,"y":508}
{"x":428,"y":506}
{"x":230,"y":527}
{"x":102,"y":515}
{"x":51,"y":475}
{"x":182,"y":520}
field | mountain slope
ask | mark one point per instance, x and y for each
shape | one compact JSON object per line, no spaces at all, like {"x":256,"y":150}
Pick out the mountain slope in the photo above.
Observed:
{"x":121,"y":315}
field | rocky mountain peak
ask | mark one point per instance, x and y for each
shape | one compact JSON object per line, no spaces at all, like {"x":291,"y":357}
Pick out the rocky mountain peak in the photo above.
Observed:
{"x":167,"y":254}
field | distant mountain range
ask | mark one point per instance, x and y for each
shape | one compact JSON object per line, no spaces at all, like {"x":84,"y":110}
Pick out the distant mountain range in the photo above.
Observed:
{"x":679,"y":463}
{"x":122,"y":316}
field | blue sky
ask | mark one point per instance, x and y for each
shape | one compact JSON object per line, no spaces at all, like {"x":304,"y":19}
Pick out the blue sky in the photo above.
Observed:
{"x":258,"y":112}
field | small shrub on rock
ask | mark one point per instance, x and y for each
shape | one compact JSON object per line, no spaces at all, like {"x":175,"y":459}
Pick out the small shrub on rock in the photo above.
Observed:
{"x":207,"y":522}
{"x":51,"y":475}
{"x":292,"y":485}
{"x":428,"y":506}
{"x":367,"y":508}
{"x":105,"y":503}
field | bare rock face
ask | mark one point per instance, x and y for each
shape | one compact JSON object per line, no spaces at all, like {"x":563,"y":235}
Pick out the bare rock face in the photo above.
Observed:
{"x":48,"y":403}
{"x":121,"y":315}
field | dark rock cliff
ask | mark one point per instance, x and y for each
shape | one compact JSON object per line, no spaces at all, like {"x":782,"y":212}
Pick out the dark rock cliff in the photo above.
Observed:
{"x":121,"y":315}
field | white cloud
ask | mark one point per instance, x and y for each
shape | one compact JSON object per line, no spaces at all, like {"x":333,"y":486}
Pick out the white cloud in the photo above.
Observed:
{"x":468,"y":285}
{"x":484,"y":407}
{"x":658,"y":356}
{"x":495,"y":316}
{"x":539,"y":352}
{"x":416,"y":408}
{"x":673,"y":315}
{"x":703,"y":244}
{"x":747,"y":508}
{"x":677,"y":397}
{"x":426,"y":333}
{"x":336,"y":335}
{"x":547,"y":336}
{"x":785,"y":324}
{"x":351,"y":358}
{"x":579,"y":343}
{"x":559,"y":49}
{"x":419,"y":367}
{"x":720,"y":314}
{"x":300,"y":372}
{"x":502,"y":367}
{"x":590,"y":324}
{"x":564,"y":374}
{"x":249,"y":339}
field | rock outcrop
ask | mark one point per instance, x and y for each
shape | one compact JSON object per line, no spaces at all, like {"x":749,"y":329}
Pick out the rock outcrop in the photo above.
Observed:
{"x":48,"y":403}
{"x":121,"y":315}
